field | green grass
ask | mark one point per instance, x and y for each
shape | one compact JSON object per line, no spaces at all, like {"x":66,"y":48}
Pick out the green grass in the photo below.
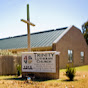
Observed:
{"x":79,"y":81}
{"x":80,"y":68}
{"x":7,"y":77}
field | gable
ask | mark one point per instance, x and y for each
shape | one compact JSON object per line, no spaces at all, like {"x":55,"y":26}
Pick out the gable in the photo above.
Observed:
{"x":71,"y":36}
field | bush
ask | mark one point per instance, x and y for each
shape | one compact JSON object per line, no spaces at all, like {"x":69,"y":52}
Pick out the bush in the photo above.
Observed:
{"x":70,"y":73}
{"x":18,"y":70}
{"x":7,"y":52}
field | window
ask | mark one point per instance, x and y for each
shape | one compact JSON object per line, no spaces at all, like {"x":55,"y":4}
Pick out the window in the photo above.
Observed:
{"x":70,"y":55}
{"x":82,"y":55}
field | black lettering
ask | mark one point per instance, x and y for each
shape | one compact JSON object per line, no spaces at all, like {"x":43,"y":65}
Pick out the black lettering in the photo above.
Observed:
{"x":38,"y":55}
{"x":35,"y":55}
{"x":52,"y":54}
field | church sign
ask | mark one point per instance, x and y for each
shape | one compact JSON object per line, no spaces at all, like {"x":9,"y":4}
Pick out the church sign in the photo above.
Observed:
{"x":39,"y":62}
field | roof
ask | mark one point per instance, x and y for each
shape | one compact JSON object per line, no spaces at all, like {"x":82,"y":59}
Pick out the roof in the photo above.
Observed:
{"x":39,"y":39}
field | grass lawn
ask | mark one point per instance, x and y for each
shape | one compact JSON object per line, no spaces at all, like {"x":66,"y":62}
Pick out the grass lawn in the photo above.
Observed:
{"x":80,"y":81}
{"x":80,"y":68}
{"x":7,"y":77}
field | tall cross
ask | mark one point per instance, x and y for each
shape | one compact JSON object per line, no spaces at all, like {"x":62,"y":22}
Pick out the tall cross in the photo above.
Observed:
{"x":28,"y":27}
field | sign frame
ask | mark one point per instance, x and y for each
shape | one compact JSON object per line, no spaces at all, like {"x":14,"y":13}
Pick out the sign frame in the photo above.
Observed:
{"x":39,"y":67}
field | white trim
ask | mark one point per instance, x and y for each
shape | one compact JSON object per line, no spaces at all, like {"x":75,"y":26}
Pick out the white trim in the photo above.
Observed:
{"x":62,"y":34}
{"x":56,"y":53}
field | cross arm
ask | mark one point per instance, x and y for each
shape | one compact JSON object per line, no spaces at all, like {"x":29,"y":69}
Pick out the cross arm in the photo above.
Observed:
{"x":27,"y":22}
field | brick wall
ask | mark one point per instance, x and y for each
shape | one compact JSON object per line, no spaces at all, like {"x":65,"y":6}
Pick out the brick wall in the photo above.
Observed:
{"x":72,"y":40}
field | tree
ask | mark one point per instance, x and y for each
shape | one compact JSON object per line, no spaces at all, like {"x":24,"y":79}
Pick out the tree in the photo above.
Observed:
{"x":85,"y":31}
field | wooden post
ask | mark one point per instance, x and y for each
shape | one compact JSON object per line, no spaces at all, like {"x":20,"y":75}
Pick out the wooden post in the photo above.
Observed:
{"x":28,"y":29}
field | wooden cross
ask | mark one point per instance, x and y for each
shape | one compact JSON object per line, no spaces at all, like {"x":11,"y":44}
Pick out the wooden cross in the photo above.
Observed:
{"x":28,"y":27}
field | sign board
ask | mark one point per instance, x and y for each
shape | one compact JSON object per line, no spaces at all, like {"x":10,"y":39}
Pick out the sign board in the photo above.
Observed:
{"x":39,"y":61}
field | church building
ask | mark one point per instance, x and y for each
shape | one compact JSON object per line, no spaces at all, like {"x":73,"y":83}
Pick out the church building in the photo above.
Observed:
{"x":69,"y":41}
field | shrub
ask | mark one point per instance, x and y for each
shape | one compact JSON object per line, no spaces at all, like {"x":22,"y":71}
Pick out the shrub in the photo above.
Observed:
{"x":18,"y":70}
{"x":7,"y":52}
{"x":70,"y":73}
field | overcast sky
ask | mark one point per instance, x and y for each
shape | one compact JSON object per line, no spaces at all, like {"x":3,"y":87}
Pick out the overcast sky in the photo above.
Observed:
{"x":45,"y":14}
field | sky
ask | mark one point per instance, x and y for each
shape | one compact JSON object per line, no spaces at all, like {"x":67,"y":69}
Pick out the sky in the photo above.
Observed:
{"x":45,"y":14}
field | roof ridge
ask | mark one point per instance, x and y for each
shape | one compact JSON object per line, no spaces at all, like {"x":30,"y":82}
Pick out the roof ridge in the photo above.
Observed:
{"x":13,"y":37}
{"x":62,"y":28}
{"x":34,"y":33}
{"x":49,"y":30}
{"x":42,"y":32}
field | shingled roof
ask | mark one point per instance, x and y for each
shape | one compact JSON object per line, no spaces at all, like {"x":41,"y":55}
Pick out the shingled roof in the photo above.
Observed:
{"x":39,"y":39}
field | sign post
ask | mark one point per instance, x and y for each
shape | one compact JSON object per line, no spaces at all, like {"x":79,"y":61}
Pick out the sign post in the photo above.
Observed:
{"x":28,"y":27}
